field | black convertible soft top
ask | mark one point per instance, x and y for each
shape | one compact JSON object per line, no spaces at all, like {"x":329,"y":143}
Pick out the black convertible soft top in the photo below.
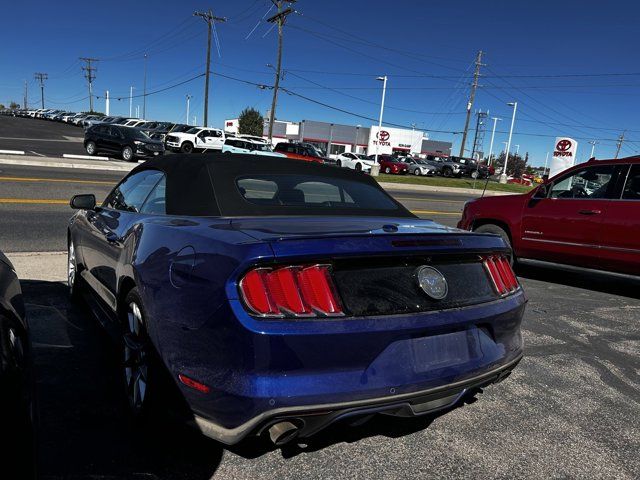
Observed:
{"x":207,"y":185}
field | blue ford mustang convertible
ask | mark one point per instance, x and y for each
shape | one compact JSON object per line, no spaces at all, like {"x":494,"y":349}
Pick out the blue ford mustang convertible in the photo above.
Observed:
{"x":272,"y":296}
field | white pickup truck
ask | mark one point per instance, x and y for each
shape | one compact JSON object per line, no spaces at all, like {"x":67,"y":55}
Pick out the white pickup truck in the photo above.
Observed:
{"x":196,"y":138}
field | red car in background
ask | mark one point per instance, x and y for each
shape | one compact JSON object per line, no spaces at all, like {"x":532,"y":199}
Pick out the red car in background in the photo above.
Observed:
{"x":390,"y":164}
{"x":300,"y":151}
{"x":587,"y":216}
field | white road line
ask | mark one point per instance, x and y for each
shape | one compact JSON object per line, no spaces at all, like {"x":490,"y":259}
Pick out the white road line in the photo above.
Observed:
{"x":84,"y":157}
{"x":36,"y":153}
{"x":12,"y":152}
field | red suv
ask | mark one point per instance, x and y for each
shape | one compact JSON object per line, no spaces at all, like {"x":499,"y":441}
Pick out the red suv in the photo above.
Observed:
{"x":587,"y":216}
{"x":390,"y":164}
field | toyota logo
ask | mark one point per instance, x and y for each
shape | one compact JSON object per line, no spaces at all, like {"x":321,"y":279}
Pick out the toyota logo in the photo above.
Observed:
{"x":563,"y":145}
{"x":383,"y":135}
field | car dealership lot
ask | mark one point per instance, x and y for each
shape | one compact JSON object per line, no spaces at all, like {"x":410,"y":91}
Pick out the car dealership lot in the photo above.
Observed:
{"x":569,"y":409}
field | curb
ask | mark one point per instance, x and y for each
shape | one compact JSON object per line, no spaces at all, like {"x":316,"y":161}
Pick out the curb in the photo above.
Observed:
{"x":430,"y":188}
{"x":29,"y":161}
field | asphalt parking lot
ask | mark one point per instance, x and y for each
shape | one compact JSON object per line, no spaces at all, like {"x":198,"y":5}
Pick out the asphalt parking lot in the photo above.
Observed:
{"x":34,"y":138}
{"x":570,"y":409}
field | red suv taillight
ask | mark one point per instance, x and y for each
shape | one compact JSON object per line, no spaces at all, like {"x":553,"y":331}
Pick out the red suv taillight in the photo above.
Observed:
{"x":291,"y":291}
{"x":502,"y":276}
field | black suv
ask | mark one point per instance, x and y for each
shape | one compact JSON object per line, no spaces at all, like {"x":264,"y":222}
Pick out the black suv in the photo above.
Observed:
{"x":128,"y":142}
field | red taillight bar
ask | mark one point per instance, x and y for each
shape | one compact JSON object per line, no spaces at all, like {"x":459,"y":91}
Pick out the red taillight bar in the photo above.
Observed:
{"x":502,"y":277}
{"x":291,"y":291}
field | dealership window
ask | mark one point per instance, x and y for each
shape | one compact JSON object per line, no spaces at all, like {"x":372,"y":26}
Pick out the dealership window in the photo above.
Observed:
{"x":632,"y":187}
{"x":592,"y":182}
{"x":337,"y":149}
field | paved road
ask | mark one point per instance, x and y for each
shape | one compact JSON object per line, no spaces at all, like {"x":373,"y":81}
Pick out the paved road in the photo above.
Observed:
{"x":40,"y":137}
{"x":34,"y":206}
{"x":570,"y":410}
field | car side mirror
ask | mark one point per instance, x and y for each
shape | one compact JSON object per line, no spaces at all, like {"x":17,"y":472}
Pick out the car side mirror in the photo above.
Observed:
{"x":541,"y":192}
{"x":85,"y":201}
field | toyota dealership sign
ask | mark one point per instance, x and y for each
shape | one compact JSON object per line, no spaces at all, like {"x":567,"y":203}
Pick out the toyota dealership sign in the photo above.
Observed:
{"x":387,"y":140}
{"x":564,"y":155}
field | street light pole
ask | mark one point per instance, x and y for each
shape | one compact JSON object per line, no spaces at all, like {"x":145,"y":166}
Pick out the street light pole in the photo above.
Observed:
{"x":546,"y":160}
{"x":188,"y":99}
{"x":144,"y":96}
{"x":493,"y":134}
{"x":593,"y":148}
{"x":384,"y":91}
{"x":130,"y":102}
{"x":503,"y":177}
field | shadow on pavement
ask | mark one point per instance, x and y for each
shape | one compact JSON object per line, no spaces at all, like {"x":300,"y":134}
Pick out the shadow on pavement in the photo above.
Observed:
{"x":84,"y":430}
{"x":588,"y":281}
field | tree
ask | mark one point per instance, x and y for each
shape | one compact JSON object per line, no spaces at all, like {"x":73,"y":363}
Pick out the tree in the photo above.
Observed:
{"x":251,"y":122}
{"x":517,"y":164}
{"x":14,"y":105}
{"x":2,"y":107}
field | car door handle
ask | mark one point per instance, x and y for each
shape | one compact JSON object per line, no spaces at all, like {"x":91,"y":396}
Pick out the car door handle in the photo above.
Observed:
{"x":589,"y":212}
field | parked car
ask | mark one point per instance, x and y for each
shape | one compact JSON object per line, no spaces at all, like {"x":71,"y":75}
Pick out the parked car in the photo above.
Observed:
{"x":17,"y":401}
{"x":253,"y":138}
{"x":276,"y":296}
{"x":300,"y":151}
{"x":356,"y":161}
{"x":244,"y":145}
{"x":195,"y":138}
{"x":127,"y":142}
{"x":586,"y":217}
{"x":390,"y":164}
{"x":419,"y":166}
{"x":91,"y":120}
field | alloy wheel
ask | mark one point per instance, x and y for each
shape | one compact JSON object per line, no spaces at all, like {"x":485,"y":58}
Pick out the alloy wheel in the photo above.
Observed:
{"x":71,"y":268}
{"x":91,"y":148}
{"x":127,"y":153}
{"x":135,"y":358}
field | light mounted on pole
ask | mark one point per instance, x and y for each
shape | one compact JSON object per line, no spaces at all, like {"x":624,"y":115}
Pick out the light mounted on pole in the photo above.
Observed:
{"x":503,"y":177}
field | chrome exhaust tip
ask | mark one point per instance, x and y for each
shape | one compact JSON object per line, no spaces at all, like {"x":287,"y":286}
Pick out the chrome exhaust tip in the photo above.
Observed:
{"x":283,"y":432}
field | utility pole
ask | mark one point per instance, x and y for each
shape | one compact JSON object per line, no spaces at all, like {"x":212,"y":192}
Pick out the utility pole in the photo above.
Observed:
{"x":189,"y":97}
{"x":41,"y":77}
{"x":210,"y":19}
{"x":472,"y":96}
{"x":278,"y":18}
{"x":26,"y":98}
{"x":90,"y":75}
{"x":546,"y":160}
{"x":478,"y":140}
{"x":144,"y":92}
{"x":620,"y":140}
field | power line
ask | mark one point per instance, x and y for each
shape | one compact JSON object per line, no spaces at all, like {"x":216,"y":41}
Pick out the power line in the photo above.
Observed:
{"x":210,"y":19}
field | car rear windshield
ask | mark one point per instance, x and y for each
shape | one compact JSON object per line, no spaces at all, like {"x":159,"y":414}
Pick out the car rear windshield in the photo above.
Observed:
{"x":313,"y":192}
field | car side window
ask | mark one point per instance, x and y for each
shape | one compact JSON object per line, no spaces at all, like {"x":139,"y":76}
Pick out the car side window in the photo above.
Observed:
{"x":130,"y":194}
{"x":632,"y":187}
{"x":156,"y":202}
{"x":589,"y":183}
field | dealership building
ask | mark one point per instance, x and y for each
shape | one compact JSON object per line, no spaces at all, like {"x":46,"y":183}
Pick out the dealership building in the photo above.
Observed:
{"x":336,"y":138}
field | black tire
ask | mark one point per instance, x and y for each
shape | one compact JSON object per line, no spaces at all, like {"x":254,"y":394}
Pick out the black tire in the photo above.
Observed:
{"x":447,"y":172}
{"x":186,"y":147}
{"x":496,"y":230}
{"x":416,"y":172}
{"x":141,"y":367}
{"x":91,"y":148}
{"x":358,"y":167}
{"x":127,"y":154}
{"x":387,"y":170}
{"x":339,"y":163}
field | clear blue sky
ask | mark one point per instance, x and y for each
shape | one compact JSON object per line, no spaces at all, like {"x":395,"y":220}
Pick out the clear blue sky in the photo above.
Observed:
{"x":426,"y":49}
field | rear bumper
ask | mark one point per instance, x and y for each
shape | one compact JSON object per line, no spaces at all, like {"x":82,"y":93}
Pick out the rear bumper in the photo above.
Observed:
{"x":310,"y":419}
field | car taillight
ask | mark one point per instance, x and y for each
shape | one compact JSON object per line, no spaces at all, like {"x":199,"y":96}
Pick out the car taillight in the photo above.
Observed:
{"x":291,"y":291}
{"x":502,"y":276}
